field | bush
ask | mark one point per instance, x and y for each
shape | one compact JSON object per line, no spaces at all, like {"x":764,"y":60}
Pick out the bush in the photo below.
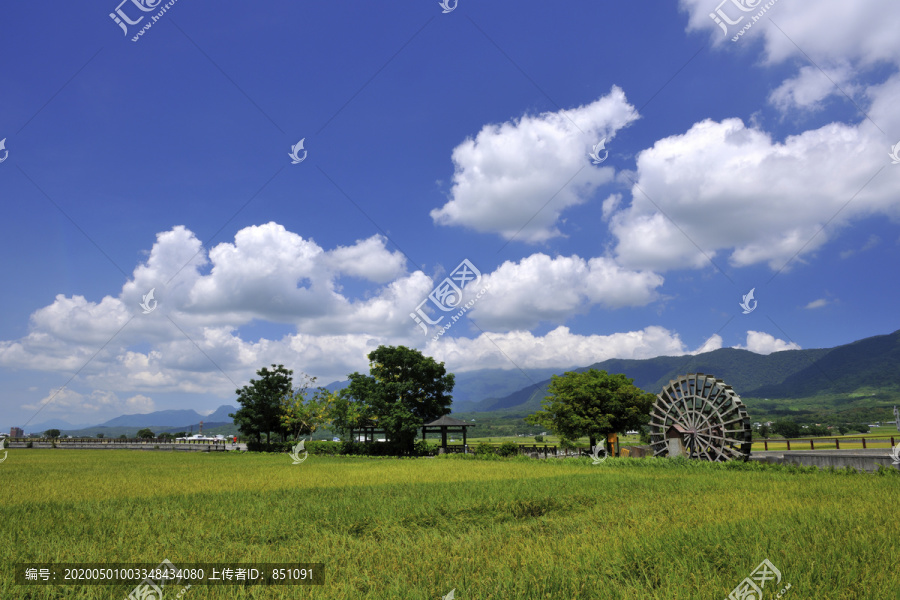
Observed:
{"x":29,"y":444}
{"x":508,"y":449}
{"x":565,"y":444}
{"x":423,"y":448}
{"x":484,"y":449}
{"x":323,"y":448}
{"x":539,"y":438}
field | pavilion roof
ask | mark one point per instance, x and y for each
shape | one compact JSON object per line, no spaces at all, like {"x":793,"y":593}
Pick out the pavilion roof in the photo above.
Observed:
{"x":448,"y":421}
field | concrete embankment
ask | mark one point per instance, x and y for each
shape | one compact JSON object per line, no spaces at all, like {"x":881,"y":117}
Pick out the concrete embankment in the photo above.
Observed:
{"x":861,"y":460}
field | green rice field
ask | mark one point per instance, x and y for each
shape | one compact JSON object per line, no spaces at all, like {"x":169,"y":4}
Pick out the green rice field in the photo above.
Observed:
{"x":419,"y":528}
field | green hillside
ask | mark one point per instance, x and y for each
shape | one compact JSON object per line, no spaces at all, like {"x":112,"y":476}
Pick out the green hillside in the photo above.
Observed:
{"x":854,"y":382}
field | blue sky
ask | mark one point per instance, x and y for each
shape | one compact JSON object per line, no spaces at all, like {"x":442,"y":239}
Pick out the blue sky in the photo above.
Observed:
{"x":432,"y":138}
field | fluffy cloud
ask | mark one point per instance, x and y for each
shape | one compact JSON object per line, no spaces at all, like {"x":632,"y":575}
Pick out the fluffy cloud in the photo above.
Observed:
{"x":816,"y":304}
{"x":810,"y":87}
{"x":191,"y":342}
{"x":543,"y":289}
{"x":516,"y":178}
{"x":864,"y":31}
{"x":559,"y":347}
{"x":764,"y":343}
{"x":724,"y":187}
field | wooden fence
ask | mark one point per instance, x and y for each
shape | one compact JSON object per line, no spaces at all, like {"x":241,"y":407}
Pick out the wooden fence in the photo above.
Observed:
{"x":120,"y":444}
{"x":800,"y":443}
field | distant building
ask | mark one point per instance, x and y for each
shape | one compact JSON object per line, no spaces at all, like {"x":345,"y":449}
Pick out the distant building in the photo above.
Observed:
{"x":16,"y":432}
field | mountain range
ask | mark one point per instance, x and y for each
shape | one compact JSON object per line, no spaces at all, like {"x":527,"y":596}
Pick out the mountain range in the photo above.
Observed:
{"x":860,"y":380}
{"x":857,"y":380}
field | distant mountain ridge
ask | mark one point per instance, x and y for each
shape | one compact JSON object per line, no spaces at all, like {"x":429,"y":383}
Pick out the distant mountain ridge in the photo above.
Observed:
{"x":170,"y":418}
{"x":868,"y":364}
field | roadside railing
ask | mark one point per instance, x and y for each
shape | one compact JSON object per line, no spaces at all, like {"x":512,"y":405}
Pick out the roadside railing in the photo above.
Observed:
{"x":823,"y":443}
{"x":119,"y":443}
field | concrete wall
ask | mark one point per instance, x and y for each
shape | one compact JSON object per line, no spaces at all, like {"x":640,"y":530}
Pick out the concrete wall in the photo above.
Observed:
{"x":867,"y":462}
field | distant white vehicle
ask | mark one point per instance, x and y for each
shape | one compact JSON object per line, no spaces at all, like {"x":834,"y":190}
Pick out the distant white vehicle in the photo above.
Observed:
{"x":631,"y":432}
{"x":335,"y":439}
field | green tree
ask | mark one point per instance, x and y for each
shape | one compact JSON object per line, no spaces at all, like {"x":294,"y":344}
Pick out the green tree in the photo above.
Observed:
{"x":145,"y":434}
{"x":99,"y":436}
{"x":302,"y":413}
{"x":592,"y":403}
{"x":404,"y":390}
{"x":261,"y":402}
{"x":52,"y":433}
{"x":123,"y":437}
{"x":786,"y":428}
{"x":764,"y":431}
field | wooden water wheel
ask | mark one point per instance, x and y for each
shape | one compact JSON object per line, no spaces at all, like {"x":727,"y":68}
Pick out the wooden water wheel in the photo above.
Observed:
{"x":701,"y":417}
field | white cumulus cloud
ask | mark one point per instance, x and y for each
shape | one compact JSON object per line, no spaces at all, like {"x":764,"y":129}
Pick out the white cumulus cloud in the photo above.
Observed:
{"x":516,"y":178}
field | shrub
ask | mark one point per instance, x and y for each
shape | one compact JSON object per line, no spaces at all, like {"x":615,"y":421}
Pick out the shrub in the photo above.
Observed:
{"x":508,"y":449}
{"x":539,"y":438}
{"x":484,"y":449}
{"x":423,"y":448}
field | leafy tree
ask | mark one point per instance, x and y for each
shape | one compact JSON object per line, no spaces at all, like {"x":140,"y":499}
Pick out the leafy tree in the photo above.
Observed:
{"x":764,"y":431}
{"x":261,"y":402}
{"x":182,"y":434}
{"x":303,"y":413}
{"x":145,"y":434}
{"x":123,"y":437}
{"x":592,"y":403}
{"x":165,"y":436}
{"x":52,"y":433}
{"x":539,"y":438}
{"x":405,"y":390}
{"x":99,"y":436}
{"x":786,"y":428}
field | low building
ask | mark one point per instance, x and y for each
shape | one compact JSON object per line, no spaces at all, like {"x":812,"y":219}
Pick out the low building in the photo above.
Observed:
{"x":16,"y":432}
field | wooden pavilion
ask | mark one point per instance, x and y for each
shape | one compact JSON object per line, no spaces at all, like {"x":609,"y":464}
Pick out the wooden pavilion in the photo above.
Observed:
{"x":446,"y":424}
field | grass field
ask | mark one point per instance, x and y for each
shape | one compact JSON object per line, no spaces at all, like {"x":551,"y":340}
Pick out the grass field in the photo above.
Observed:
{"x":417,"y":528}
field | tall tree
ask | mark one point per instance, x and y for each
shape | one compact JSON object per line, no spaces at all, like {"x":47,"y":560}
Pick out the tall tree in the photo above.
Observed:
{"x":404,"y":390}
{"x":303,"y":412}
{"x":592,"y":403}
{"x":52,"y":433}
{"x":261,"y":403}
